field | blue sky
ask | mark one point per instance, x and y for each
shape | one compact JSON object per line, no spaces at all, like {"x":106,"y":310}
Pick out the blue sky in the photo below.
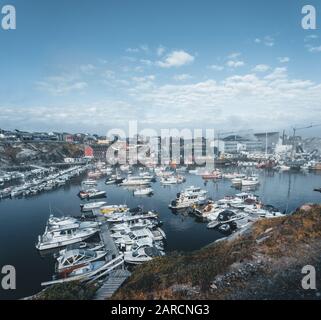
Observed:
{"x":94,"y":65}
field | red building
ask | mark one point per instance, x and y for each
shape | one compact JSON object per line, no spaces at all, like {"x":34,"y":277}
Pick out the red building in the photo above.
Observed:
{"x":89,"y":152}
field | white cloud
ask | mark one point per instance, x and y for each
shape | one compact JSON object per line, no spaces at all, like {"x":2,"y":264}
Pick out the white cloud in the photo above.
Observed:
{"x":182,"y":77}
{"x":61,"y":85}
{"x":132,"y":50}
{"x":277,"y":73}
{"x":176,"y":59}
{"x":258,"y":101}
{"x":284,"y":59}
{"x":314,"y":49}
{"x":160,"y":50}
{"x":310,"y":37}
{"x":109,"y":74}
{"x":87,"y":68}
{"x":216,"y":67}
{"x":272,"y":101}
{"x":144,"y":79}
{"x":235,"y":63}
{"x":267,"y":41}
{"x":234,"y":55}
{"x":144,"y":48}
{"x":261,"y":68}
{"x":146,"y":62}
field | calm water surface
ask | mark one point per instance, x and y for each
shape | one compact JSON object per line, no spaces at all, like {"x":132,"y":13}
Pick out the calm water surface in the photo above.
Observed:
{"x":22,"y":220}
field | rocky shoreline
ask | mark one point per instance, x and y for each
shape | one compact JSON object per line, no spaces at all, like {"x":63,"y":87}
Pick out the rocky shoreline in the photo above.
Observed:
{"x":263,"y":262}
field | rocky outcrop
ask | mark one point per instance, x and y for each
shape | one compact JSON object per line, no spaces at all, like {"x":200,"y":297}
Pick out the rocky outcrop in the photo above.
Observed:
{"x":263,"y":263}
{"x":38,"y":153}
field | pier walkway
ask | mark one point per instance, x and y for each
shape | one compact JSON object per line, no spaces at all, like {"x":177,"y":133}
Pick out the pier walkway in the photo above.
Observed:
{"x":105,"y":237}
{"x":117,"y":276}
{"x":111,"y":285}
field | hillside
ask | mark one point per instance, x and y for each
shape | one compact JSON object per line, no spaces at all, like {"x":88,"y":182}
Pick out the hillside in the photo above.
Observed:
{"x":263,"y":263}
{"x":37,"y":153}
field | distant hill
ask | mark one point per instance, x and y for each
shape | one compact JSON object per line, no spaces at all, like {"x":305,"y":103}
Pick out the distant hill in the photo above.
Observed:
{"x":37,"y":153}
{"x":265,"y":262}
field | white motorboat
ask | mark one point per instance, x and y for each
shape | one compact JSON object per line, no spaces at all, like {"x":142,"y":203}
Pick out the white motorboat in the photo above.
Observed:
{"x":133,"y":236}
{"x":187,"y":199}
{"x":142,"y":255}
{"x":250,"y":181}
{"x":139,"y":243}
{"x":64,"y":223}
{"x":168,"y":180}
{"x":92,"y":205}
{"x":114,"y":179}
{"x":73,"y":259}
{"x":92,"y":246}
{"x":135,"y":181}
{"x":147,"y":176}
{"x":124,"y":228}
{"x":60,"y":238}
{"x":94,"y":174}
{"x":284,"y":168}
{"x":92,"y":270}
{"x":126,"y":217}
{"x":124,"y":167}
{"x":96,"y":194}
{"x":134,"y":224}
{"x":195,"y":190}
{"x":89,"y":182}
{"x":143,"y":192}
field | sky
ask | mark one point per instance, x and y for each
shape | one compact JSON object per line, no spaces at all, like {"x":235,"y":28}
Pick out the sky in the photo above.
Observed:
{"x":93,"y":65}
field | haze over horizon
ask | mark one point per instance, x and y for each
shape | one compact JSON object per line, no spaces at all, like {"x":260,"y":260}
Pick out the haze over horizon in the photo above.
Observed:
{"x":94,"y":65}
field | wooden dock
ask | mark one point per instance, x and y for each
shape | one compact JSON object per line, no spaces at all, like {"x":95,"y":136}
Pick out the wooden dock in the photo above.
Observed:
{"x":112,"y":284}
{"x":117,"y":276}
{"x":105,"y":237}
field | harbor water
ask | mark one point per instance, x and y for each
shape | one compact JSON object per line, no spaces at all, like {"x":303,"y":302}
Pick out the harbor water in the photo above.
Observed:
{"x":23,"y":219}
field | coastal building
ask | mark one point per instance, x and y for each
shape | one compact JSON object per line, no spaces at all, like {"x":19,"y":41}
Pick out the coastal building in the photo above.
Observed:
{"x":269,"y":140}
{"x":237,"y":144}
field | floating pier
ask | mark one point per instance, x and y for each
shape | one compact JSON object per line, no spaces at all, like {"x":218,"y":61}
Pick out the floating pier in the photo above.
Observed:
{"x":117,"y":276}
{"x":112,"y":284}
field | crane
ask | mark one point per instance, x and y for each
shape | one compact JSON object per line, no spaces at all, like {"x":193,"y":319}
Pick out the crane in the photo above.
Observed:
{"x":298,"y":129}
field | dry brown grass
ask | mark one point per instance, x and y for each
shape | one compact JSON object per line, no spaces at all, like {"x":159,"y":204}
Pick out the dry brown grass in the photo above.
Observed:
{"x":291,"y":237}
